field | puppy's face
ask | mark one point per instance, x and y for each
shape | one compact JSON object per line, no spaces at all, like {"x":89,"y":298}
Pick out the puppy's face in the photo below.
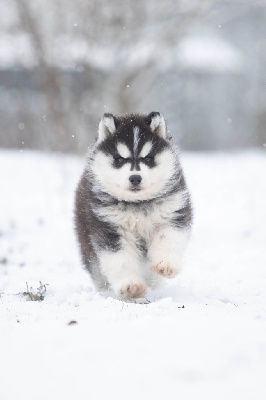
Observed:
{"x":132,"y":158}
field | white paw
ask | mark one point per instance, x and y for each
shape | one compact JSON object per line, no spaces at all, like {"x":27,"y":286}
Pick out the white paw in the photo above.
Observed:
{"x":132,"y":289}
{"x":166,"y":269}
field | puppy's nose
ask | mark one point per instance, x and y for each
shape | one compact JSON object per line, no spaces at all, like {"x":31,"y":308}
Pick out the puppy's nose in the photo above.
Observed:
{"x":135,"y":180}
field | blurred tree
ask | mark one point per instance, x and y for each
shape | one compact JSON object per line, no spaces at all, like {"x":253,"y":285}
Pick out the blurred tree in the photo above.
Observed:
{"x":83,"y":58}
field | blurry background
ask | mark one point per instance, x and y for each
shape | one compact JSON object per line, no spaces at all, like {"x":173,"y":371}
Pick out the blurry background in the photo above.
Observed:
{"x":64,"y":63}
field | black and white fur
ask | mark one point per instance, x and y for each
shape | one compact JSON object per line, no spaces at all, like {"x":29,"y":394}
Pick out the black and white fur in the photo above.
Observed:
{"x":132,"y":210}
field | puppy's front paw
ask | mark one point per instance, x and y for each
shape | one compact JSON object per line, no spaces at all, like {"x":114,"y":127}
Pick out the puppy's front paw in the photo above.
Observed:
{"x":132,"y":289}
{"x":166,"y":269}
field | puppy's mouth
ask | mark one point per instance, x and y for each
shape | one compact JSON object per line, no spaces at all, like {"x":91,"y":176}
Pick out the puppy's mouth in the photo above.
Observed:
{"x":135,"y":189}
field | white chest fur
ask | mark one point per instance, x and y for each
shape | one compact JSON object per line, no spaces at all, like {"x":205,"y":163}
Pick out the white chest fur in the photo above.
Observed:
{"x":143,"y":222}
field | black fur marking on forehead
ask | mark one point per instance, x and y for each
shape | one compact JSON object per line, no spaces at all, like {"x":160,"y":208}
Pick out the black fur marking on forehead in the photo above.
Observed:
{"x":125,"y":134}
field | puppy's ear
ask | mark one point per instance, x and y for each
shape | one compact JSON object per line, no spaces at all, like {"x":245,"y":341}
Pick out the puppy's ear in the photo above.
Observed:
{"x":157,"y":124}
{"x":107,"y":126}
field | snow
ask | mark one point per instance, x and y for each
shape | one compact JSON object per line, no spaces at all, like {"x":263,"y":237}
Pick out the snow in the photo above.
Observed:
{"x":201,"y":336}
{"x":15,"y":49}
{"x":209,"y":53}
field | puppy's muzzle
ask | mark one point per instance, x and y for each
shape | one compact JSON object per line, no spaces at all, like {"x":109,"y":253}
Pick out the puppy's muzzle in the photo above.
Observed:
{"x":135,"y":180}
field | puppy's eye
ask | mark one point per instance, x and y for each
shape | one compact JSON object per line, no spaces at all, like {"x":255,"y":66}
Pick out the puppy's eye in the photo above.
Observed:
{"x":119,"y":160}
{"x":148,"y":159}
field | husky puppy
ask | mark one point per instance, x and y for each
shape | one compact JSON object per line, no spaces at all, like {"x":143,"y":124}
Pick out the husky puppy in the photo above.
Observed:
{"x":132,"y":208}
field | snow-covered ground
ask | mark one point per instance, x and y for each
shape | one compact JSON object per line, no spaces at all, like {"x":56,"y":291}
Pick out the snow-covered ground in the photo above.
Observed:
{"x":203,"y":336}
